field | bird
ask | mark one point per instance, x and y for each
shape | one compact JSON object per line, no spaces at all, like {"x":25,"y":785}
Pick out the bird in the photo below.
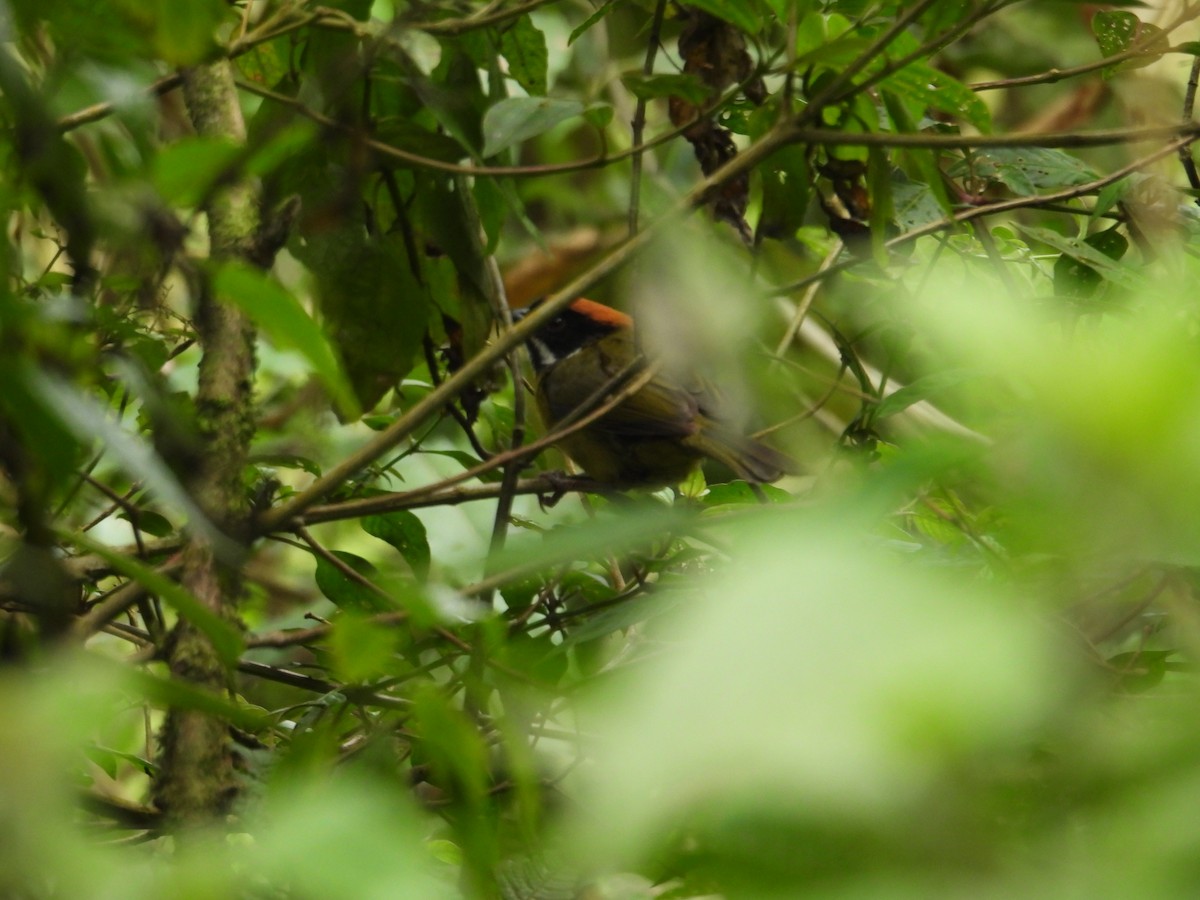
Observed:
{"x":654,"y":437}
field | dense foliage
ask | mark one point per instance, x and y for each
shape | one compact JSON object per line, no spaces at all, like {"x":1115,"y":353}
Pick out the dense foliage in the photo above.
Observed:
{"x":293,"y":602}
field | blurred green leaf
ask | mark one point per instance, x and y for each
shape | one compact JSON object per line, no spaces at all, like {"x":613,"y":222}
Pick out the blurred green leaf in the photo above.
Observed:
{"x":595,"y":18}
{"x":360,"y":649}
{"x":927,"y":387}
{"x":89,"y":422}
{"x":517,"y":119}
{"x":185,"y":172}
{"x":374,"y":303}
{"x":225,"y":638}
{"x":281,"y":317}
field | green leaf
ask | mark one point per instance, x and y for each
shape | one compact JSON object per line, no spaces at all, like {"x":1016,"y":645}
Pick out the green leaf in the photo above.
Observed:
{"x":786,"y":191}
{"x":915,"y":203}
{"x":1140,"y":670}
{"x":1117,"y":32}
{"x":879,"y":186}
{"x":1109,"y":268}
{"x":174,"y":694}
{"x":225,"y":638}
{"x":924,"y":388}
{"x":744,"y":15}
{"x":517,"y":119}
{"x":451,"y":744}
{"x":605,"y":8}
{"x":1114,"y":30}
{"x":404,"y":531}
{"x":524,"y":46}
{"x":1074,"y":277}
{"x":347,"y":592}
{"x":360,"y":649}
{"x":262,"y":65}
{"x":598,"y":115}
{"x":934,"y":89}
{"x":1025,"y":170}
{"x":652,"y":87}
{"x":736,"y":493}
{"x":149,"y":522}
{"x":284,"y":321}
{"x":375,"y":307}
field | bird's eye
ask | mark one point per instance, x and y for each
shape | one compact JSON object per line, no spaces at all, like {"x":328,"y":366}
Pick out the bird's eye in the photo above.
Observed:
{"x":556,"y":324}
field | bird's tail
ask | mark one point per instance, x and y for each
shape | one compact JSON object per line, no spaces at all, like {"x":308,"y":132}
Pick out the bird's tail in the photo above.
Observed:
{"x":749,"y":459}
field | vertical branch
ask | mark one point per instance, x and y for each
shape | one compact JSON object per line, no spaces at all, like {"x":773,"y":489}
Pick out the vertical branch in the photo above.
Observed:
{"x":639,"y":119}
{"x":197,"y":780}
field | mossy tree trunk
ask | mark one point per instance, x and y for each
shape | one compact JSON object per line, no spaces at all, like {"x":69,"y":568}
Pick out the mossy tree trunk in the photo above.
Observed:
{"x":197,"y":780}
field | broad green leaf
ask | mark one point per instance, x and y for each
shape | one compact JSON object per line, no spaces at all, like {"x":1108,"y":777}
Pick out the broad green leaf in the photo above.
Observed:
{"x":1025,"y":170}
{"x":934,"y":89}
{"x":1109,"y":268}
{"x":404,"y":531}
{"x":1114,"y":31}
{"x":149,"y":522}
{"x":1118,"y":31}
{"x":347,"y":592}
{"x":284,"y":321}
{"x":786,"y":191}
{"x":524,"y":46}
{"x":517,"y":119}
{"x":375,"y":306}
{"x":915,"y":204}
{"x":1074,"y":277}
{"x":225,"y":637}
{"x":262,"y":65}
